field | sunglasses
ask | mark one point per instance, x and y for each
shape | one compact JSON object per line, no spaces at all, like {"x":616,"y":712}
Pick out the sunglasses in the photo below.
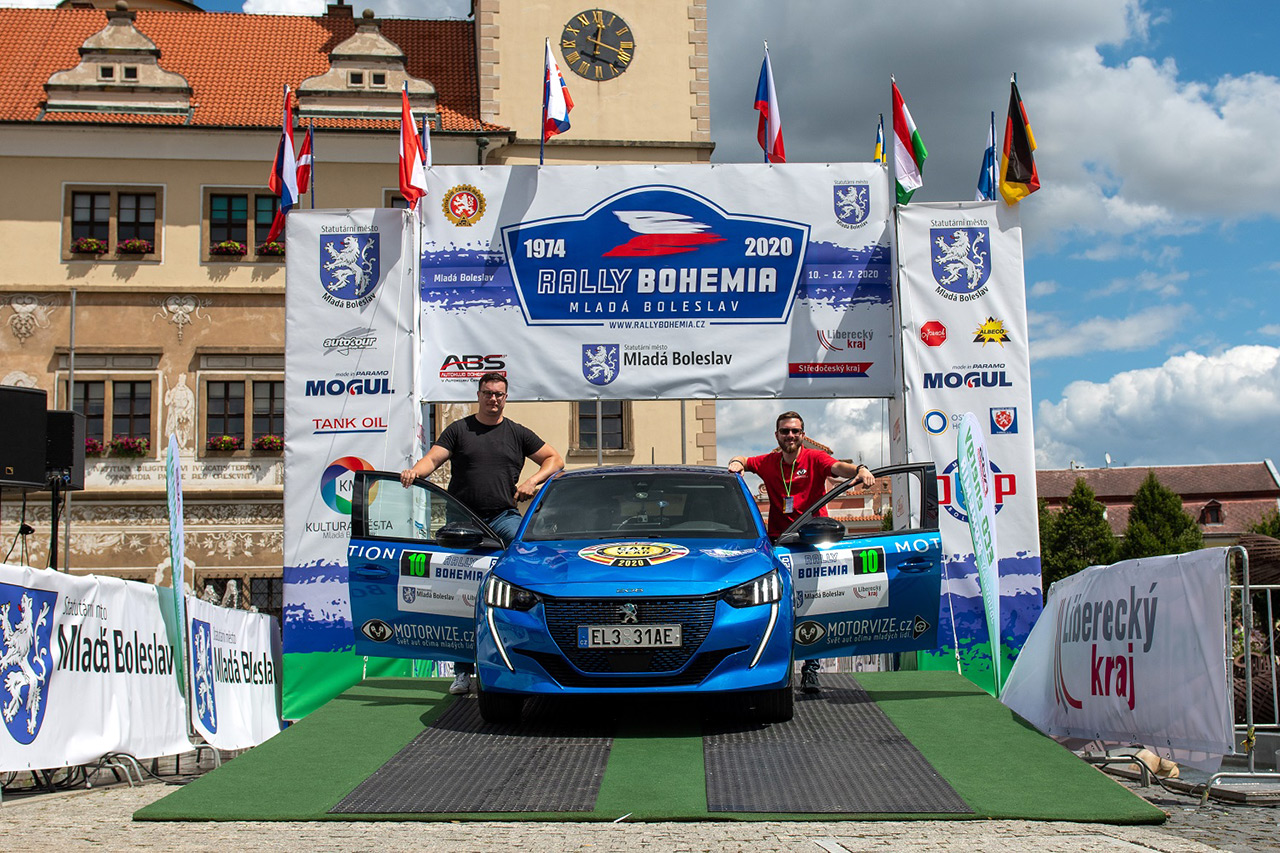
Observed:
{"x":497,"y":395}
{"x":784,"y":431}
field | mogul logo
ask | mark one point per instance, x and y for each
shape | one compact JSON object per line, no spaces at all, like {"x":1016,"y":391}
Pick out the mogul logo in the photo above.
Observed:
{"x":951,"y":494}
{"x":633,"y":554}
{"x":659,"y":253}
{"x":349,"y":268}
{"x":359,"y":339}
{"x":1118,"y":632}
{"x":852,"y":202}
{"x":600,"y":363}
{"x":375,"y":382}
{"x":977,"y":377}
{"x":27,"y":659}
{"x":960,"y":258}
{"x":991,"y":332}
{"x":202,"y":674}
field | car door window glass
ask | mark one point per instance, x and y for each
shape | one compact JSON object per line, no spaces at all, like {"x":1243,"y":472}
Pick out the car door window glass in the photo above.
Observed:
{"x":394,"y":512}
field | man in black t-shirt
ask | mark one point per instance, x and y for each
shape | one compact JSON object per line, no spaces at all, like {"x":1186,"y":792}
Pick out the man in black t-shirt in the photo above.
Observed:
{"x":488,"y":453}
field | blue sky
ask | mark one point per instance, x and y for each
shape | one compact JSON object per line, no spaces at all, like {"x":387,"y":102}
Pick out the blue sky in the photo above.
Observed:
{"x":1153,"y":265}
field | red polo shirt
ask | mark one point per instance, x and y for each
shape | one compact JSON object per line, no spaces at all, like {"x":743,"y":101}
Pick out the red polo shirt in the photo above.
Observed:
{"x":805,"y":481}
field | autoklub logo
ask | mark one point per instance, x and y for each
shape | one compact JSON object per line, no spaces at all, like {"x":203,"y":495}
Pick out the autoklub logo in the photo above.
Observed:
{"x":1004,"y":420}
{"x":933,"y":333}
{"x":852,"y":202}
{"x":349,"y":265}
{"x":202,"y":674}
{"x":600,"y":364}
{"x":27,"y":624}
{"x":463,"y":205}
{"x":951,"y":493}
{"x":469,"y":367}
{"x":960,"y":258}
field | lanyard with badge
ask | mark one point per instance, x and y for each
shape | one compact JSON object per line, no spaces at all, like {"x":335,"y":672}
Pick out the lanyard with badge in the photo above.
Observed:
{"x":788,"y":505}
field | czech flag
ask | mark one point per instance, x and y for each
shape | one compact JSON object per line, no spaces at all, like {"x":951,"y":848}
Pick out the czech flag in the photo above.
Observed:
{"x":769,"y":129}
{"x":413,"y":177}
{"x":284,"y":173}
{"x":556,"y":102}
{"x":1018,"y":177}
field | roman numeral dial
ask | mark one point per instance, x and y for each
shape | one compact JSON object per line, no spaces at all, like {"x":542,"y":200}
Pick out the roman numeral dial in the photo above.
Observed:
{"x":597,"y":44}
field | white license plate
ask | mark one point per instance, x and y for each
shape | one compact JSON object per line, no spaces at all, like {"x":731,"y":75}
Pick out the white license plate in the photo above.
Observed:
{"x":628,"y":636}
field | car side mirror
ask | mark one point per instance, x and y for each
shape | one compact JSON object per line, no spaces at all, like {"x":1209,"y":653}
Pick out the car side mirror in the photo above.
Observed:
{"x":459,"y":535}
{"x":821,"y":530}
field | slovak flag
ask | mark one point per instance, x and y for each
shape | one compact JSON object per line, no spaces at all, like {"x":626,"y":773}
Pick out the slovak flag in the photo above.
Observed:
{"x":556,"y":101}
{"x":769,"y":130}
{"x":284,"y":173}
{"x":304,"y":162}
{"x":413,"y":177}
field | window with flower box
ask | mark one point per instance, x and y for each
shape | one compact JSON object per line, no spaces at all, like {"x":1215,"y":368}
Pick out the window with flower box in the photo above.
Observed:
{"x":242,"y":413}
{"x":236,"y":225}
{"x":118,"y":414}
{"x":112,"y":224}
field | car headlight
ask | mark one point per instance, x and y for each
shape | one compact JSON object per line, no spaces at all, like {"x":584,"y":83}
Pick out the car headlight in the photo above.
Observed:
{"x":765,"y":589}
{"x":499,"y":593}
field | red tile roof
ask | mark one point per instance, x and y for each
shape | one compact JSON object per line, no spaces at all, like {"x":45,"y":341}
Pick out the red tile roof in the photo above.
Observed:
{"x":235,"y":63}
{"x":1187,"y":480}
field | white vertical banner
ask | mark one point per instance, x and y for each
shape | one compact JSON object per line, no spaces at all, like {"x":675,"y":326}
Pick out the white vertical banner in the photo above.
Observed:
{"x":235,"y":675}
{"x":964,"y":319}
{"x":1133,"y":653}
{"x":87,"y":669}
{"x":351,"y":296}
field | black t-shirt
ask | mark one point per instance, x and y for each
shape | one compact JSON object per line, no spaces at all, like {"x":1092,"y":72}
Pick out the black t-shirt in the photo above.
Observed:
{"x":487,"y":461}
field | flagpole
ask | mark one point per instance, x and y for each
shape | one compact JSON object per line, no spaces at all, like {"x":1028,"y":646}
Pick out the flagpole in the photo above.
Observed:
{"x":766,"y":130}
{"x":546,"y":95}
{"x":311,"y":134}
{"x":994,"y":155}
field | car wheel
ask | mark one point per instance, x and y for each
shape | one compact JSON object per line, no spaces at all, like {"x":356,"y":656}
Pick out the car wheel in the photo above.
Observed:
{"x":500,"y":708}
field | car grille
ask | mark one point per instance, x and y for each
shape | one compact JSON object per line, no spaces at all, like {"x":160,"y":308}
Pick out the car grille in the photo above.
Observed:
{"x":699,"y":668}
{"x":694,"y":615}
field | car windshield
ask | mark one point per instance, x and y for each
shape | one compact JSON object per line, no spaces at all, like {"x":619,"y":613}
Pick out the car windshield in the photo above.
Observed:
{"x":642,"y":505}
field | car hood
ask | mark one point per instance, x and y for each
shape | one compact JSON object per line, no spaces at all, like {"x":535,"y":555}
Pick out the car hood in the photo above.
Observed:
{"x":648,"y":566}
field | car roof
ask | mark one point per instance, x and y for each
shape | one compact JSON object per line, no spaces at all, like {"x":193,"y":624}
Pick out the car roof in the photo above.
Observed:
{"x":648,"y":470}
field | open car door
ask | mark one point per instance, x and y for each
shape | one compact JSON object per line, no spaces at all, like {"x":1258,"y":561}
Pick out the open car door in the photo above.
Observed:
{"x":414,"y":566}
{"x":868,"y":593}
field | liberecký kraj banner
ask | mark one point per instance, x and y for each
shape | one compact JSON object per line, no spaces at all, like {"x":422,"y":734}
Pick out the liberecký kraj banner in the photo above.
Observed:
{"x":235,"y":675}
{"x":1133,"y":653}
{"x":641,"y":282}
{"x":87,"y":669}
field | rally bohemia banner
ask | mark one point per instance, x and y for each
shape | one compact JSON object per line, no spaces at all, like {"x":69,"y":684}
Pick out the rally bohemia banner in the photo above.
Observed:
{"x":635,"y":282}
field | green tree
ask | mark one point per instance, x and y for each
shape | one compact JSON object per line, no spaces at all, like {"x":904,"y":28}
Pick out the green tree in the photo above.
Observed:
{"x":1158,"y":524}
{"x":1076,"y":537}
{"x":886,"y":523}
{"x":1268,"y":526}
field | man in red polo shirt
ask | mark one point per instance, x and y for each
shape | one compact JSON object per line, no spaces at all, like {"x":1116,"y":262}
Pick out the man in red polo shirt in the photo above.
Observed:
{"x":795,"y":478}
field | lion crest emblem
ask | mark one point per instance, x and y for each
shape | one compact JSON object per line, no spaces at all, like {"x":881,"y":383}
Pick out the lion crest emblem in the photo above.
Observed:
{"x":349,"y":266}
{"x":600,"y":363}
{"x":852,"y":203}
{"x":960,"y":262}
{"x":206,"y":706}
{"x":26,"y":659}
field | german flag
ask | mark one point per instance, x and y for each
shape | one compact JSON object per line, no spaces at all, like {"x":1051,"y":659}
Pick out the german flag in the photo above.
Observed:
{"x":1018,"y":178}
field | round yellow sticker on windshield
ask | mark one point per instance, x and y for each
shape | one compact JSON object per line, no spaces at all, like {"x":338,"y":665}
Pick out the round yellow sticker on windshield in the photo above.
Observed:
{"x":633,"y":554}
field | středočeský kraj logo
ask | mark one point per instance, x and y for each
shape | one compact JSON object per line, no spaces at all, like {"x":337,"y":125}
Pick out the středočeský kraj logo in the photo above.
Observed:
{"x":202,"y":674}
{"x":600,"y":363}
{"x":961,"y":260}
{"x":852,"y":200}
{"x":349,"y":267}
{"x":27,"y":625}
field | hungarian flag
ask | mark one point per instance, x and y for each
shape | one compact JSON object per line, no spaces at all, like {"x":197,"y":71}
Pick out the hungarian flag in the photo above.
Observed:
{"x":413,"y":177}
{"x":908,"y":149}
{"x":556,"y":101}
{"x":769,"y":128}
{"x":304,"y":162}
{"x":1018,"y":178}
{"x":284,"y":173}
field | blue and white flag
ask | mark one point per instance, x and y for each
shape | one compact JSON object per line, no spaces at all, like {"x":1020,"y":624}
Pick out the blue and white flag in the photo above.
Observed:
{"x":987,"y":178}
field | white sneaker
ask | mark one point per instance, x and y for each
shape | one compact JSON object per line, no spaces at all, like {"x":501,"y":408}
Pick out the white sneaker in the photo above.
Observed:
{"x":461,"y":685}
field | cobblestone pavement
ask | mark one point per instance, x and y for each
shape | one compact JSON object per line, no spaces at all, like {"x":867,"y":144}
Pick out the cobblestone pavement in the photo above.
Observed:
{"x":1224,"y":826}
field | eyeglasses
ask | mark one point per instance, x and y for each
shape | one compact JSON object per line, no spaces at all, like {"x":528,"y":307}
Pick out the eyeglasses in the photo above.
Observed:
{"x":496,"y":395}
{"x":788,"y":431}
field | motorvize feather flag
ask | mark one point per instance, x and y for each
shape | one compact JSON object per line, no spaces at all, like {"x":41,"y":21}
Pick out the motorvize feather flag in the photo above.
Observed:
{"x":909,"y":152}
{"x":556,"y":100}
{"x":284,"y":173}
{"x":1018,"y":176}
{"x":769,"y":128}
{"x":413,"y":176}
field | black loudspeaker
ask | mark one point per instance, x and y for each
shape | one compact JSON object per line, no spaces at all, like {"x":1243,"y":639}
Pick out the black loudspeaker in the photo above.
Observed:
{"x":65,"y":459}
{"x":22,"y":437}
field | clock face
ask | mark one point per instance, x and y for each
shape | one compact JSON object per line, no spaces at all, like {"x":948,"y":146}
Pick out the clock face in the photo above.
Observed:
{"x":597,"y":44}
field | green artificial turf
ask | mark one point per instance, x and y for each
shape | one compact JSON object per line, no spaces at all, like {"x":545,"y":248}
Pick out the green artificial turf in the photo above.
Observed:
{"x":996,"y":762}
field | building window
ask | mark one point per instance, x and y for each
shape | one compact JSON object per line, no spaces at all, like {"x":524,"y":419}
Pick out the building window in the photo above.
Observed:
{"x":241,"y":216}
{"x":267,"y":594}
{"x":130,"y":72}
{"x":264,"y":213}
{"x":392,"y":198}
{"x":615,"y":427}
{"x":1212,"y":513}
{"x":88,"y":401}
{"x":268,"y":408}
{"x":378,"y":78}
{"x":228,"y":218}
{"x":355,"y":78}
{"x":106,"y":72}
{"x":224,"y":409}
{"x":243,"y":407}
{"x":128,"y":220}
{"x":131,"y":409}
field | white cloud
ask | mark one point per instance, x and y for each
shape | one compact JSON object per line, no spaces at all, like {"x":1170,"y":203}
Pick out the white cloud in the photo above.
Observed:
{"x":1165,"y":284}
{"x":852,"y":428}
{"x":1104,"y":334}
{"x":1192,"y":408}
{"x":1043,"y":288}
{"x":1271,"y":330}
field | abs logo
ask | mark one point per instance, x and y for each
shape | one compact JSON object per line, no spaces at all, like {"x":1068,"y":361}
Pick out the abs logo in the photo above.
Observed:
{"x":852,"y":203}
{"x":469,"y":367}
{"x":338,"y":481}
{"x":337,"y":387}
{"x":25,"y":617}
{"x":961,"y":261}
{"x":600,"y":363}
{"x":349,"y":268}
{"x":951,"y":494}
{"x":202,"y":673}
{"x":1004,"y":421}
